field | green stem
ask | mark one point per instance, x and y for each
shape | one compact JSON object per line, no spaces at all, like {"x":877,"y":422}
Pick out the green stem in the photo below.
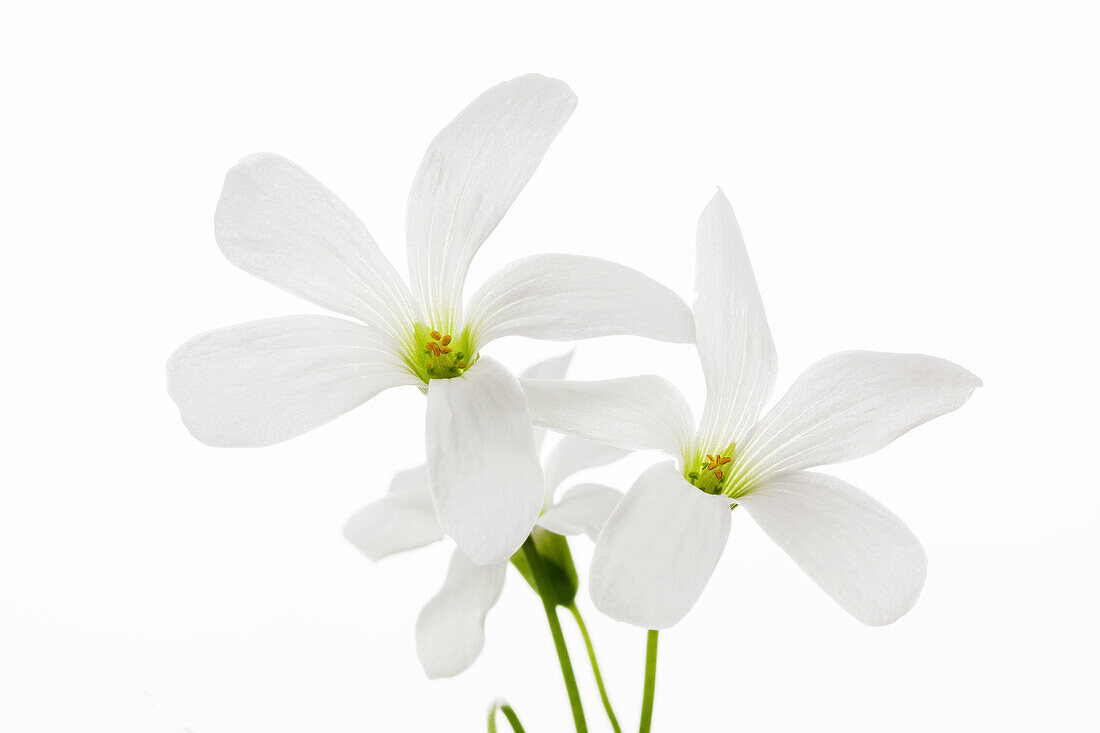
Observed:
{"x":595,"y":667}
{"x":509,"y":715}
{"x":537,"y":569}
{"x":650,"y":680}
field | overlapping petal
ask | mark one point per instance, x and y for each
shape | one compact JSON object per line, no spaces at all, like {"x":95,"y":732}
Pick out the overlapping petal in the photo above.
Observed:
{"x":565,"y":297}
{"x":572,"y":455}
{"x":583,"y":509}
{"x":634,"y":413}
{"x":553,"y":368}
{"x":857,"y":550}
{"x":853,"y":403}
{"x":450,"y":631}
{"x":658,"y":549}
{"x":413,"y":479}
{"x":486,"y":479}
{"x":263,"y":382}
{"x":402,"y":520}
{"x":471,"y":173}
{"x":732,"y":335}
{"x":280,"y":224}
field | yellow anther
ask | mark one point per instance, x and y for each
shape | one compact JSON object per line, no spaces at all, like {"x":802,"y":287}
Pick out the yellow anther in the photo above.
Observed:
{"x":708,"y":473}
{"x":448,"y":355}
{"x":713,"y":462}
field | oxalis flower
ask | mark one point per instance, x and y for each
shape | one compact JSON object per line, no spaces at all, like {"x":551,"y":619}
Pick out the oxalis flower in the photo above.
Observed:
{"x":450,"y":631}
{"x":661,"y":544}
{"x":264,"y":382}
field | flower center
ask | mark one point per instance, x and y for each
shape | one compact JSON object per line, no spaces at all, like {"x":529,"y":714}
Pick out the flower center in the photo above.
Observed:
{"x":441,"y":355}
{"x":710,"y":474}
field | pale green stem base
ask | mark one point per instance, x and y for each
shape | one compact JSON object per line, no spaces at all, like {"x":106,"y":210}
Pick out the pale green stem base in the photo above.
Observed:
{"x":509,"y":715}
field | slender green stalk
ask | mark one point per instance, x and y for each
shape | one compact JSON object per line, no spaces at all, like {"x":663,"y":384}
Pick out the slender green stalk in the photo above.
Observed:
{"x":537,"y":569}
{"x":650,"y":680}
{"x":595,"y":667}
{"x":509,"y":715}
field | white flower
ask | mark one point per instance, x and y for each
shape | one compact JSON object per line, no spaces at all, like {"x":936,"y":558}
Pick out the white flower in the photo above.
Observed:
{"x":450,"y":631}
{"x":660,"y":545}
{"x":263,"y":382}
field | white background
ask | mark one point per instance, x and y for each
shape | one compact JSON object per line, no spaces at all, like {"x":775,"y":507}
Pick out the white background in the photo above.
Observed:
{"x":917,"y":177}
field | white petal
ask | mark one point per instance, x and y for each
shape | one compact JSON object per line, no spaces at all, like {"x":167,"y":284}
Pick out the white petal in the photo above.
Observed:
{"x":552,"y":368}
{"x":853,"y":403}
{"x":658,"y":549}
{"x":563,"y":297}
{"x":734,"y":341}
{"x":635,"y":413}
{"x":280,"y":224}
{"x":413,"y":480}
{"x":572,"y":455}
{"x":402,"y":520}
{"x":266,"y":381}
{"x":450,"y":631}
{"x":582,"y":509}
{"x":485,"y":474}
{"x":856,"y":549}
{"x":472,"y":172}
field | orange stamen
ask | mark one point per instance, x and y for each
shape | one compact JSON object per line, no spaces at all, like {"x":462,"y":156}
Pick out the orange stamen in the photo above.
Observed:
{"x":436,"y":335}
{"x":461,"y":364}
{"x":445,"y":349}
{"x":446,"y":340}
{"x":718,"y":474}
{"x":723,"y":461}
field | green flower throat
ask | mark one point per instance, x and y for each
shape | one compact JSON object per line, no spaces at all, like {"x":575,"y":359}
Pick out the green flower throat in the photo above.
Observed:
{"x":716,"y":473}
{"x":434,"y":354}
